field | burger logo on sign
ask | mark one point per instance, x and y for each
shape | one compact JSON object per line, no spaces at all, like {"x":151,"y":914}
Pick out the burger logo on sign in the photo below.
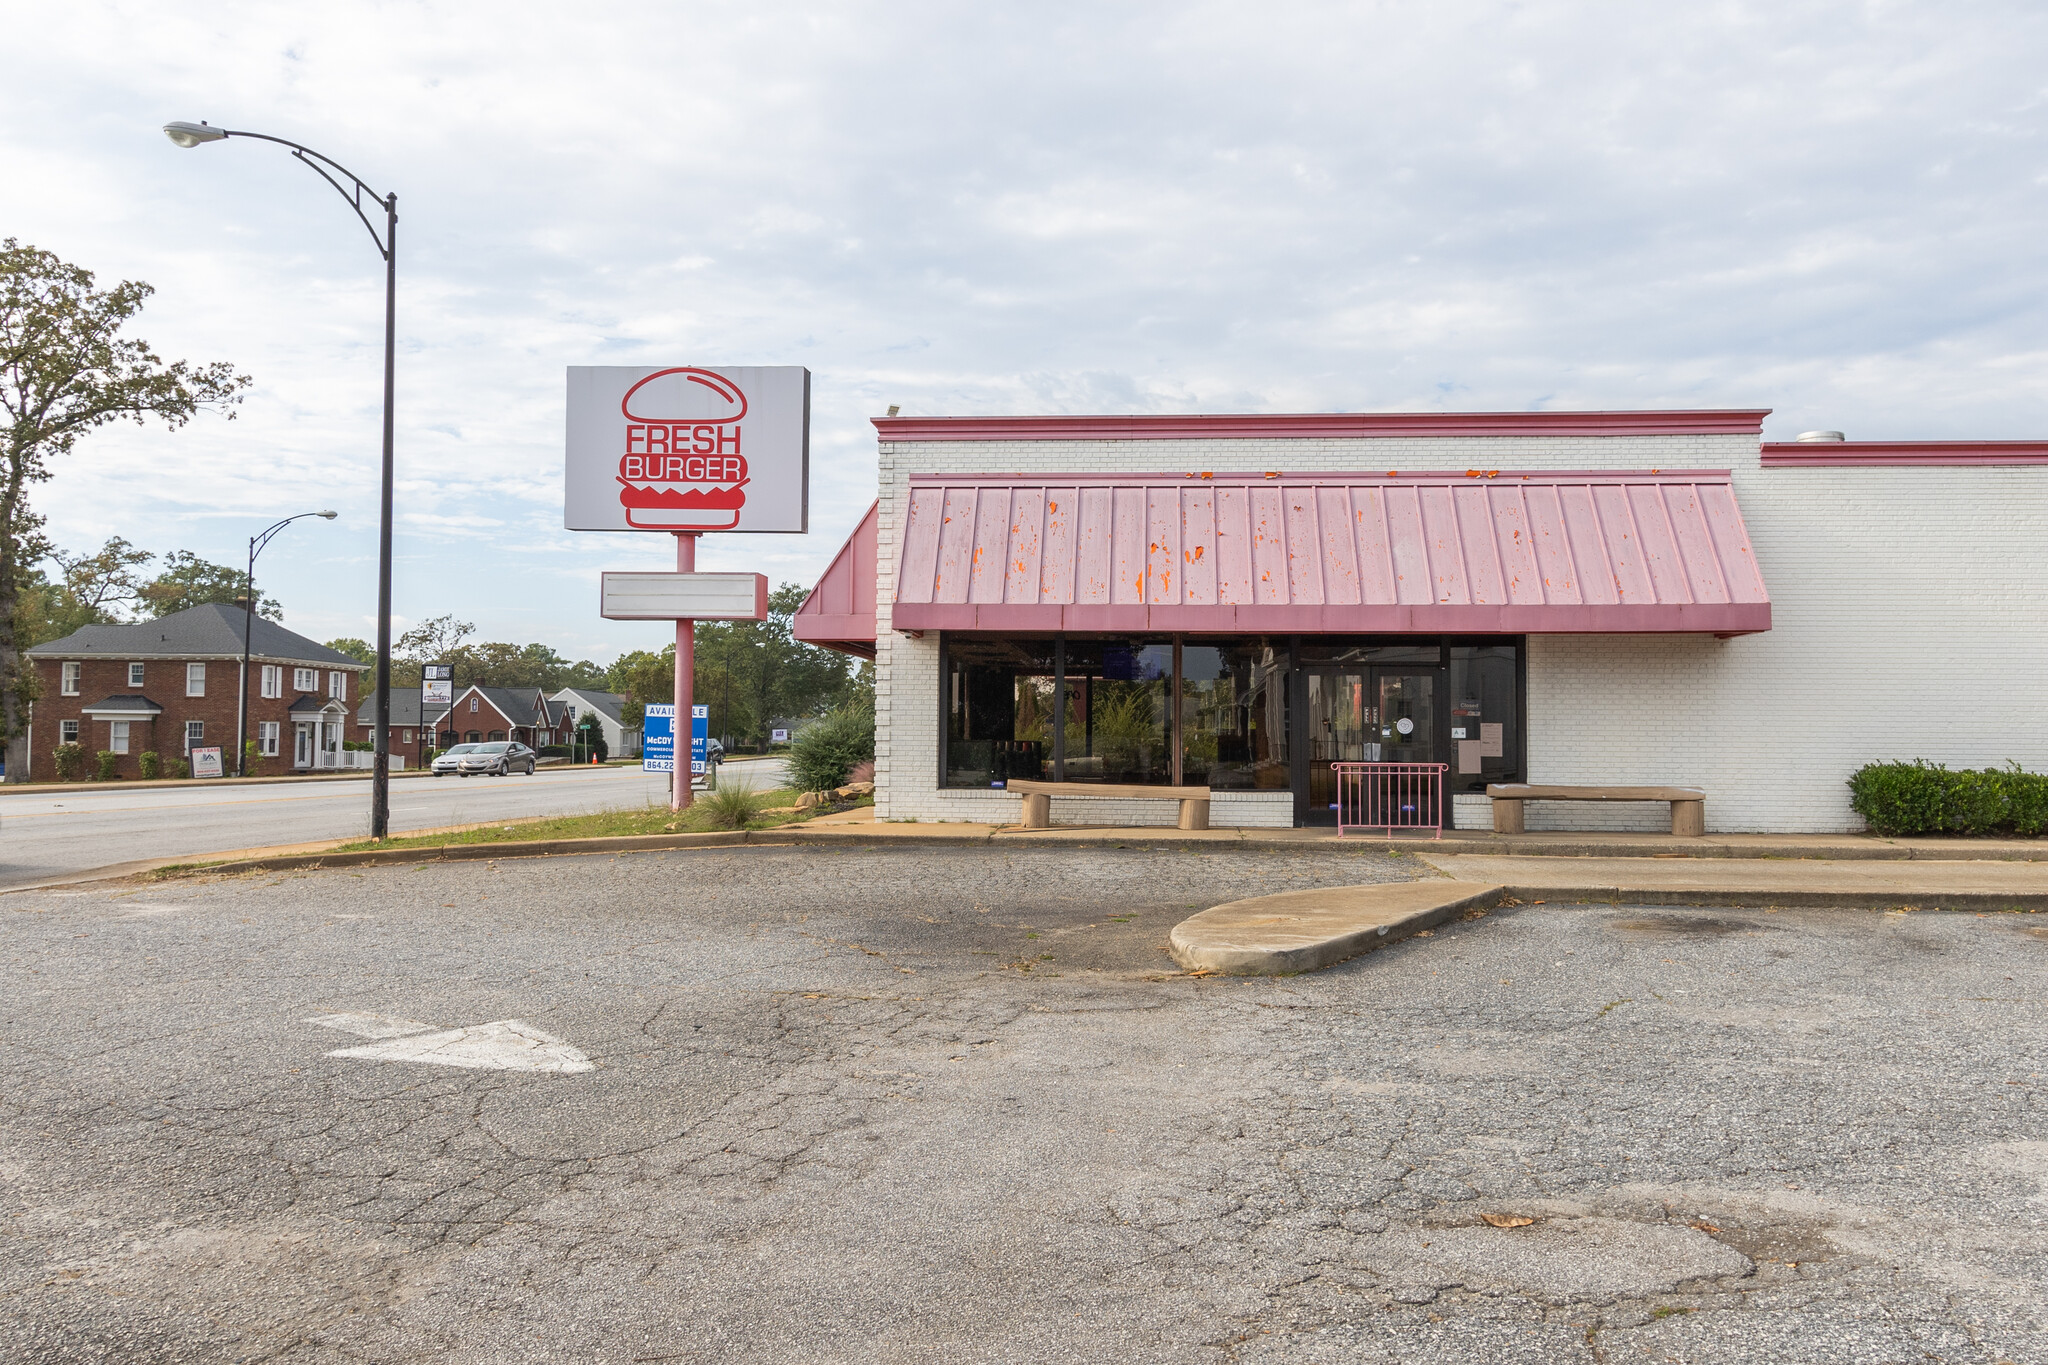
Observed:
{"x":682,"y":469}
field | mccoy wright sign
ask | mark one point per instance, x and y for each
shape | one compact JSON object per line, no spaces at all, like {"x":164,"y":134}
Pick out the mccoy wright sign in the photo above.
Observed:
{"x":688,"y":449}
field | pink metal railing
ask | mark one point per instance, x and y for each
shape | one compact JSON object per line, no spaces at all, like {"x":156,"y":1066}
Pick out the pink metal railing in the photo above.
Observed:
{"x":1390,"y":796}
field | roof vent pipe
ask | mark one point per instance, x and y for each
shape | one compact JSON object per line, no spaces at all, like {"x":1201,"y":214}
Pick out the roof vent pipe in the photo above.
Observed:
{"x":1811,"y":436}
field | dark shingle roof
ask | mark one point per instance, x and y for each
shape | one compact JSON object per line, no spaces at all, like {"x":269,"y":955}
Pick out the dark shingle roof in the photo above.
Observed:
{"x":133,"y":702}
{"x":607,"y":702}
{"x":519,"y":705}
{"x":213,"y":631}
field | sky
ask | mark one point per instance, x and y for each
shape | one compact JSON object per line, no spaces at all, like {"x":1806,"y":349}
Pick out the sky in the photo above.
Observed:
{"x":1833,"y":210}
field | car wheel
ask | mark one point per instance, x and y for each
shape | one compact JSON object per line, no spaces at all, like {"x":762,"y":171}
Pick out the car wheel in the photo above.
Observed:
{"x":529,"y":767}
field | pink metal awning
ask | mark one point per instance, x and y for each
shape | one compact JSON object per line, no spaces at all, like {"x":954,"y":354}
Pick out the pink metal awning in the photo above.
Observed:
{"x":1482,"y":552}
{"x":840,"y":612}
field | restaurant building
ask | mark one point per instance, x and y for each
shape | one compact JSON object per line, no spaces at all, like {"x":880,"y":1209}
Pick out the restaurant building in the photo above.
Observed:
{"x":1601,"y":598}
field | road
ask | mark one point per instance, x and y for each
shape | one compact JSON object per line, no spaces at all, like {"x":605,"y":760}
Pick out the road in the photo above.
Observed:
{"x":48,"y":834}
{"x":956,"y":1106}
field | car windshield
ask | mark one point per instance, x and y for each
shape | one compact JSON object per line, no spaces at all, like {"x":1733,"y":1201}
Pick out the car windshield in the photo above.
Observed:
{"x":464,"y":749}
{"x":492,"y":748}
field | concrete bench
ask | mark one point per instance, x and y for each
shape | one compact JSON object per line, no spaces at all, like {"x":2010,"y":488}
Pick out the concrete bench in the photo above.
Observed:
{"x":1194,"y":801}
{"x":1688,"y":804}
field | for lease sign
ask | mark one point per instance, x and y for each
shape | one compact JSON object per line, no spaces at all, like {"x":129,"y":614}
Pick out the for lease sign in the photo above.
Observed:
{"x":688,"y":448}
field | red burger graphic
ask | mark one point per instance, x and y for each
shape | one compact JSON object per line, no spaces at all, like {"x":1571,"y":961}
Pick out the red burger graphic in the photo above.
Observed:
{"x":683,"y":470}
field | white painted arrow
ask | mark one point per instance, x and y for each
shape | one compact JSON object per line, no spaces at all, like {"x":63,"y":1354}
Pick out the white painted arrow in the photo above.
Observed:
{"x":502,"y":1045}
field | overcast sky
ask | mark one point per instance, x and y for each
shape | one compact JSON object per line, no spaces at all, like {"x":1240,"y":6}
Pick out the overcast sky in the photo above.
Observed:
{"x":1832,"y":210}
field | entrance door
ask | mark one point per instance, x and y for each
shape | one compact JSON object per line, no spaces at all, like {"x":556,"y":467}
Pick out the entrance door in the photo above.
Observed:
{"x":1366,"y":715}
{"x":302,"y":745}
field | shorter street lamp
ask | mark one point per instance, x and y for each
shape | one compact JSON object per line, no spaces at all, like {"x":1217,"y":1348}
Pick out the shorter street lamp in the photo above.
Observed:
{"x":256,"y":544}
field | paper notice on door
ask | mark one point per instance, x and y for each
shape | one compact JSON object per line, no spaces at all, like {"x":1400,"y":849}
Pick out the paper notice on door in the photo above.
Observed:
{"x":1490,"y":740}
{"x":1470,"y":751}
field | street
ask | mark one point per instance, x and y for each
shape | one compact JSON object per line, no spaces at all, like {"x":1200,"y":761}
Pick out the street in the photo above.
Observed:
{"x":49,"y":833}
{"x":917,"y":1104}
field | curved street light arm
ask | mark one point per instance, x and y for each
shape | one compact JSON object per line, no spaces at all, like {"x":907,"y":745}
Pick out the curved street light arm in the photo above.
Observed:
{"x":257,"y":542}
{"x":319,"y":164}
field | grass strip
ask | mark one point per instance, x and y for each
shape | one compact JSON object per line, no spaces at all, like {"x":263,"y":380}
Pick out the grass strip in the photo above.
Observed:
{"x":610,"y":824}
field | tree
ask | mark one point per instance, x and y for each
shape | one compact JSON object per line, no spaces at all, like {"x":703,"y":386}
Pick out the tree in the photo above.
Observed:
{"x":751,"y":673}
{"x":434,"y":639}
{"x":362,"y":651}
{"x":97,"y":582}
{"x":189,"y":581}
{"x":66,"y":369}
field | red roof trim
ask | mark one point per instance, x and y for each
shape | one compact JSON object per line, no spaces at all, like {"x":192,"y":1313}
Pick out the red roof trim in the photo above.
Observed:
{"x":1901,"y":454}
{"x":1326,"y":477}
{"x":1305,"y":426}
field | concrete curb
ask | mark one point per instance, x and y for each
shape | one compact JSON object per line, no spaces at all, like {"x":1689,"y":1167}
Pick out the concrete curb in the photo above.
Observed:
{"x":2022,"y":902}
{"x":1304,"y":931}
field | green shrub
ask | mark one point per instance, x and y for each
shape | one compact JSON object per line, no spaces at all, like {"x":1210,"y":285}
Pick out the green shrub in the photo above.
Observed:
{"x":70,"y":762}
{"x":252,"y":757}
{"x":106,"y":766}
{"x":1927,"y":798}
{"x":733,"y":805}
{"x":151,"y":763}
{"x":358,"y":746}
{"x":825,"y":751}
{"x":181,"y":767}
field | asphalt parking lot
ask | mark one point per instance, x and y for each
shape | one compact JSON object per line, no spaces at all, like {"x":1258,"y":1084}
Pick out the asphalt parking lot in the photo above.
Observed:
{"x":838,"y":1104}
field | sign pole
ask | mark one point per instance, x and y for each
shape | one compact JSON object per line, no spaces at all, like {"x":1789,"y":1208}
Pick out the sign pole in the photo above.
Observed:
{"x":682,"y":779}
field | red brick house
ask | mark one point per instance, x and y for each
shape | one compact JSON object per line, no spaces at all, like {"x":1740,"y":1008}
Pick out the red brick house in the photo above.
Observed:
{"x":171,"y":685}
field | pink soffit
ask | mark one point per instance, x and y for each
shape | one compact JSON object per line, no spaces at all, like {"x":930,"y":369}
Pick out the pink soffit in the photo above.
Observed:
{"x":1484,"y":552}
{"x":840,"y":612}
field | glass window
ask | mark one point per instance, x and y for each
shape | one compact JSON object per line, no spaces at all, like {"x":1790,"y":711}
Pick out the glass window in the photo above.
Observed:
{"x":998,"y":711}
{"x":266,"y":738}
{"x":67,"y":732}
{"x":134,"y":679}
{"x":195,"y":733}
{"x":70,"y":675}
{"x":1118,"y":709}
{"x":273,"y":680}
{"x":195,"y":680}
{"x":1328,"y":651}
{"x":337,"y":685}
{"x":117,"y":739}
{"x":1233,"y":715}
{"x":1486,"y":722}
{"x":305,"y":679}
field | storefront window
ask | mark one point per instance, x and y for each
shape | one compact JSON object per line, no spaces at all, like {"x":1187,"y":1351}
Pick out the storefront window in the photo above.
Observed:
{"x":1340,"y":651}
{"x":1119,"y":703}
{"x":1486,"y":723}
{"x":998,"y":711}
{"x":1233,"y":710}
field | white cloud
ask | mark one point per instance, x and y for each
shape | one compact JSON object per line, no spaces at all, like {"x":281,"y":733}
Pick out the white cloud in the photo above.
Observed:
{"x":1832,"y":209}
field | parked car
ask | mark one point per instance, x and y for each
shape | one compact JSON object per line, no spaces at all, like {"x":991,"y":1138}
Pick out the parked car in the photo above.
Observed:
{"x":499,"y":759}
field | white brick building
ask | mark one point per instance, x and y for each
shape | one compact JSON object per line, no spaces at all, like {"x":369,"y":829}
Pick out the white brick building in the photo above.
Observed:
{"x":1243,"y":600}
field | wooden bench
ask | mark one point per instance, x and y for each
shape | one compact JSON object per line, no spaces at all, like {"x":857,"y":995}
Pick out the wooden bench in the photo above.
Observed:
{"x":1688,"y":804}
{"x":1194,"y":801}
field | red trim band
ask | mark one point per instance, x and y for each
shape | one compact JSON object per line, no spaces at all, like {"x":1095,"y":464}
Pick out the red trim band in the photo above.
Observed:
{"x":1901,"y":454}
{"x":1304,"y":426}
{"x":1704,"y":618}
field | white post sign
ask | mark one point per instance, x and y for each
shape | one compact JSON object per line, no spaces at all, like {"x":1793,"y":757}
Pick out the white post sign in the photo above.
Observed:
{"x":688,"y":449}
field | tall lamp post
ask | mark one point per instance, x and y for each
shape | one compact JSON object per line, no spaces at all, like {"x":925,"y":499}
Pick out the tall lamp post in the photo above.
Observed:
{"x":256,"y":544}
{"x":328,"y":169}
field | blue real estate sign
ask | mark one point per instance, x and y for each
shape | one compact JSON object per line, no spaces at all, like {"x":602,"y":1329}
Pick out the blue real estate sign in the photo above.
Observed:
{"x":658,"y":739}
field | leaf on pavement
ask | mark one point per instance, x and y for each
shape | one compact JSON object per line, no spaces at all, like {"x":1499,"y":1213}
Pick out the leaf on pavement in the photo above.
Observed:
{"x":1506,"y":1220}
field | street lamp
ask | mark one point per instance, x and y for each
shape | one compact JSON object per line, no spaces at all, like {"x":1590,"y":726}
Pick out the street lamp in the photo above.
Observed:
{"x":194,"y":134}
{"x":256,"y":544}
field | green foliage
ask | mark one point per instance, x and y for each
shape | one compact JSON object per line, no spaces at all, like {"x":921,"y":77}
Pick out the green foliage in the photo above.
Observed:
{"x":1927,"y":798}
{"x":359,"y":746}
{"x":181,"y":767}
{"x":65,"y":370}
{"x":825,"y":751}
{"x":590,"y":735}
{"x":151,"y":763}
{"x":493,"y":663}
{"x":106,"y":766}
{"x":252,"y":757}
{"x":362,"y":651}
{"x":188,"y":581}
{"x":70,"y":762}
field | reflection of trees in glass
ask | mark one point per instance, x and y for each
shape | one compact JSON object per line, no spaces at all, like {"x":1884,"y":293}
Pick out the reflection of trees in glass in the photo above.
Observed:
{"x":1034,"y":709}
{"x":1128,"y":724}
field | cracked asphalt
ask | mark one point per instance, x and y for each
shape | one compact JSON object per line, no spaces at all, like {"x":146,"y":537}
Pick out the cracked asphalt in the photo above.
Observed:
{"x":958,"y":1105}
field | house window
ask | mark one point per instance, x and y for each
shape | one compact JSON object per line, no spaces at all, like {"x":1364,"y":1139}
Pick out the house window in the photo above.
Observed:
{"x":497,"y":736}
{"x":273,"y":680}
{"x":472,"y":738}
{"x":71,"y":672}
{"x":195,"y":680}
{"x":472,"y":706}
{"x":195,"y":734}
{"x":337,"y":686}
{"x":135,"y":675}
{"x":67,"y":732}
{"x":305,"y":679}
{"x":408,"y":736}
{"x":117,"y":738}
{"x":266,"y":738}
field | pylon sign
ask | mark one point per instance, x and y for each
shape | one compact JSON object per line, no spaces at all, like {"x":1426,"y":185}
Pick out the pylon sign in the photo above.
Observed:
{"x":688,"y":448}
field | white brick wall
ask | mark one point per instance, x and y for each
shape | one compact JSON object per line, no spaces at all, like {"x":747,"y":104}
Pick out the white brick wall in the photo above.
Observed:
{"x":1909,"y":609}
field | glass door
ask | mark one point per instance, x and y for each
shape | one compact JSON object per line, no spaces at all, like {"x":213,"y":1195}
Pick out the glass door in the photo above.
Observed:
{"x":1365,"y":715}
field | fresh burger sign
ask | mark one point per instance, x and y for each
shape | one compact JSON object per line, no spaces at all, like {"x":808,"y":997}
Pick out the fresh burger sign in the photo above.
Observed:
{"x":688,"y":449}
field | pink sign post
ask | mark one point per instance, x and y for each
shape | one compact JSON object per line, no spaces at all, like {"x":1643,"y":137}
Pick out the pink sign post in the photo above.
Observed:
{"x":687,"y":449}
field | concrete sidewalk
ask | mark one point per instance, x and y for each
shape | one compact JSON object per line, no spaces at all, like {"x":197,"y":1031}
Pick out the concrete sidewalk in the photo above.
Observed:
{"x":1957,"y":884}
